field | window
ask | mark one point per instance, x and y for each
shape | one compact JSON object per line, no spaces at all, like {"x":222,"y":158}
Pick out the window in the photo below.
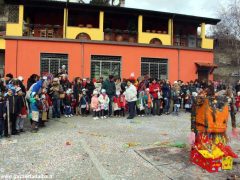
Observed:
{"x":155,"y":67}
{"x":51,"y":63}
{"x":103,"y":66}
{"x":13,"y":13}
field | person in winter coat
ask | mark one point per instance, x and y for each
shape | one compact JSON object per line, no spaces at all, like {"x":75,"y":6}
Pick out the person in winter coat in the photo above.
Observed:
{"x":148,"y":102}
{"x":238,"y":100}
{"x":3,"y":113}
{"x":84,"y":103}
{"x":166,"y":91}
{"x":55,"y":92}
{"x":22,"y":114}
{"x":104,"y":103}
{"x":95,"y":106}
{"x":89,"y":88}
{"x":13,"y":110}
{"x":35,"y":105}
{"x":117,"y":104}
{"x":109,"y":86}
{"x":155,"y":91}
{"x":141,"y":103}
{"x":67,"y":102}
{"x":77,"y":88}
{"x":131,"y":98}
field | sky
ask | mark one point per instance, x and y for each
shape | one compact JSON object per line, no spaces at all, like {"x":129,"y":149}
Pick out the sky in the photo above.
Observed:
{"x":204,"y":8}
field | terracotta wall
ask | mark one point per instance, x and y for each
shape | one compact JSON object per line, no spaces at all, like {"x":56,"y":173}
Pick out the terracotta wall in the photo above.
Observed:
{"x":23,"y":58}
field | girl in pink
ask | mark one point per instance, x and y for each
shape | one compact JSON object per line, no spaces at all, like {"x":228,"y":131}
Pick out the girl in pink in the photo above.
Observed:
{"x":95,"y":105}
{"x":238,"y":101}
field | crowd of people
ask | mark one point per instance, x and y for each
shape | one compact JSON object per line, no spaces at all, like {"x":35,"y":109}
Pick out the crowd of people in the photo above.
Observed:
{"x":102,"y":98}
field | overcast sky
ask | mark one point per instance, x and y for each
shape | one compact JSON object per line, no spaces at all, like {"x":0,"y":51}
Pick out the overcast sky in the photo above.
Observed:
{"x":205,"y":8}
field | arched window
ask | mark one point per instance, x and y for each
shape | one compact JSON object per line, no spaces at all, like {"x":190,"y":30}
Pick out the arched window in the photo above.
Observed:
{"x":156,"y":41}
{"x":83,"y":36}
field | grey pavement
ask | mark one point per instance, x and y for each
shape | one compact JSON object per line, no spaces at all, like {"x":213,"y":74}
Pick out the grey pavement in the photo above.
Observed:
{"x":113,"y":148}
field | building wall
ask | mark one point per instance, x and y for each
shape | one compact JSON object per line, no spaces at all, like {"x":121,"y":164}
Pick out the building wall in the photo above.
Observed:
{"x":23,"y":58}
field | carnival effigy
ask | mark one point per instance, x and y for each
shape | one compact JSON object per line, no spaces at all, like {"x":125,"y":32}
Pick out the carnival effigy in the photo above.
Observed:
{"x":209,"y":120}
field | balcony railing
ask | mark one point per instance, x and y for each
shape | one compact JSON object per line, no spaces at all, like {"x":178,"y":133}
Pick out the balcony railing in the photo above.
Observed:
{"x":45,"y":31}
{"x":187,"y":41}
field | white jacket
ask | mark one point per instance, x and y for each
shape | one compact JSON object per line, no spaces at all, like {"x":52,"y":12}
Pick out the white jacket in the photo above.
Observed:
{"x":104,"y":102}
{"x":131,"y":93}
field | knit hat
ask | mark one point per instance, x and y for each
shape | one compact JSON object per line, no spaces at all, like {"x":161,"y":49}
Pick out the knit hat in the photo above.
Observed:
{"x":83,"y":89}
{"x":69,"y":91}
{"x":103,"y":91}
{"x":95,"y":92}
{"x":20,"y":78}
{"x":147,"y":89}
{"x":118,"y":93}
{"x":238,"y":93}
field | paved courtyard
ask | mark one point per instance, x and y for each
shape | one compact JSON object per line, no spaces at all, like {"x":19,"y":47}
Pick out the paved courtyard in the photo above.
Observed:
{"x":113,"y":148}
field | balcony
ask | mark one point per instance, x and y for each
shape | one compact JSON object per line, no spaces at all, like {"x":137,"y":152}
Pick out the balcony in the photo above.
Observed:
{"x":191,"y":41}
{"x":44,"y":31}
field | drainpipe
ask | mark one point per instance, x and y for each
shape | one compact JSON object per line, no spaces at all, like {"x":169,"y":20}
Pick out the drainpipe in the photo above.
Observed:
{"x":82,"y":50}
{"x":16,"y":59}
{"x":178,"y":64}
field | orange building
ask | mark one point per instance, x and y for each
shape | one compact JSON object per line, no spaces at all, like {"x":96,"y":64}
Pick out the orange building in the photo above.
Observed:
{"x":95,"y":41}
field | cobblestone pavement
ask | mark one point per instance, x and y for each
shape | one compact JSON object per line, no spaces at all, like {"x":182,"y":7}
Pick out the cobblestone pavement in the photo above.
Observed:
{"x":83,"y":148}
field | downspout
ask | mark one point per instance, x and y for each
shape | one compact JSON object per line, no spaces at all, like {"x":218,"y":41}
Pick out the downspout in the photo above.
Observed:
{"x":16,"y":59}
{"x":82,"y":50}
{"x":178,"y":64}
{"x":66,"y":20}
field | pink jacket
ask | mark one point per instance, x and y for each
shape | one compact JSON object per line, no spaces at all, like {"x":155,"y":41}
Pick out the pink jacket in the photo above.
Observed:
{"x":94,"y":103}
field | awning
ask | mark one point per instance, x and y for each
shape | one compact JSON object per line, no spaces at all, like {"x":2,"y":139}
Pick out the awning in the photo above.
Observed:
{"x":206,"y":66}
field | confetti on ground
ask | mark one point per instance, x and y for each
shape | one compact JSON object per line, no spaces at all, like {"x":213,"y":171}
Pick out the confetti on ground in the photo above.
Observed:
{"x":68,"y":143}
{"x":131,"y":144}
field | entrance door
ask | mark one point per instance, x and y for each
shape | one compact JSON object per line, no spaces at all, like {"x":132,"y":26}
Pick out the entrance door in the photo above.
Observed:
{"x":203,"y":75}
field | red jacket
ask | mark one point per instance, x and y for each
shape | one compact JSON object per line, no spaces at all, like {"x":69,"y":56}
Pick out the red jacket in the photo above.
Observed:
{"x":152,"y":89}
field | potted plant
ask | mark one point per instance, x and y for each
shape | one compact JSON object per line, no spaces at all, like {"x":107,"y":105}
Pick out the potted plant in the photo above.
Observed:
{"x":107,"y":34}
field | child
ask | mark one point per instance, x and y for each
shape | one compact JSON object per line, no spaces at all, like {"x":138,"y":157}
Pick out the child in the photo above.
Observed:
{"x":67,"y":101}
{"x":47,"y":101}
{"x":2,"y":115}
{"x":122,"y":104}
{"x":22,"y":114}
{"x":188,"y":102}
{"x":84,"y":102}
{"x":176,"y":102}
{"x":117,"y":104}
{"x":141,"y":104}
{"x":238,"y":101}
{"x":95,"y":105}
{"x":45,"y":109}
{"x":104,"y":103}
{"x":148,"y":102}
{"x":35,"y":106}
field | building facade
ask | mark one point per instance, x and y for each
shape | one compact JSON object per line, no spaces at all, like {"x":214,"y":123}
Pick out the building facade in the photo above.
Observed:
{"x":95,"y":41}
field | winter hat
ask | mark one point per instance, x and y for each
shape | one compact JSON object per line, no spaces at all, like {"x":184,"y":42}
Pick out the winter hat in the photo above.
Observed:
{"x":18,"y":89}
{"x":69,"y":91}
{"x":238,"y":93}
{"x":95,"y":92}
{"x":118,"y":93}
{"x":103,"y":90}
{"x":83,"y":89}
{"x":20,"y":78}
{"x":175,"y":82}
{"x":43,"y":96}
{"x":147,"y":89}
{"x":84,"y":79}
{"x":45,"y":78}
{"x":55,"y":79}
{"x":194,"y":94}
{"x":9,"y":75}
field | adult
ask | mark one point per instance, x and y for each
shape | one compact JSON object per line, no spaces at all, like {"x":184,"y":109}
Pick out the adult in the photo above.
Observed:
{"x":65,"y":83}
{"x":237,"y":87}
{"x":109,"y":86}
{"x":9,"y":79}
{"x":21,"y":85}
{"x":55,"y":92}
{"x":166,"y":91}
{"x":89,"y":88}
{"x":131,"y":98}
{"x":62,"y":70}
{"x":155,"y":91}
{"x":32,"y":80}
{"x":118,"y":85}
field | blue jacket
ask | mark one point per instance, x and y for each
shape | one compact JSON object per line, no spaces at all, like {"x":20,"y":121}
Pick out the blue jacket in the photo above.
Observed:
{"x":166,"y":90}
